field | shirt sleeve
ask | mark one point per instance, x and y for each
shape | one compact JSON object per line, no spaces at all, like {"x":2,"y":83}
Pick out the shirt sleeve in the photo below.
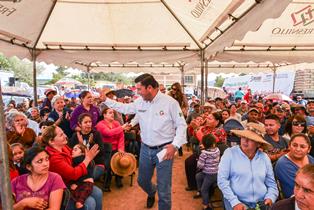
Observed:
{"x":223,"y":178}
{"x":73,"y":119}
{"x":272,"y":190}
{"x":121,"y":107}
{"x":180,"y":125}
{"x":106,"y":131}
{"x":134,"y":121}
{"x":201,"y":161}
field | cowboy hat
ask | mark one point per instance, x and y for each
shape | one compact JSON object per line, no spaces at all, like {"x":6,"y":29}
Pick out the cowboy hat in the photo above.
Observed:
{"x":254,"y":132}
{"x":106,"y":91}
{"x":123,"y":164}
{"x":213,"y":107}
{"x":50,"y":91}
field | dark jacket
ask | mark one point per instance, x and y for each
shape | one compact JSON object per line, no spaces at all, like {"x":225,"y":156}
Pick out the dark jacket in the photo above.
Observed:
{"x":64,"y":124}
{"x":286,"y":204}
{"x":100,"y":157}
{"x":90,"y":168}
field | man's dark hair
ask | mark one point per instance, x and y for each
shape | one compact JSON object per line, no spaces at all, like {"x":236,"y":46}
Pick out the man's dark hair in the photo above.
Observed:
{"x":272,"y":117}
{"x":146,"y":80}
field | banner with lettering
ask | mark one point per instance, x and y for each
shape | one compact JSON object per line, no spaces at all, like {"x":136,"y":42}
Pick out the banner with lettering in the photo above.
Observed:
{"x":262,"y":83}
{"x":198,"y":15}
{"x":294,"y":26}
{"x":22,"y":20}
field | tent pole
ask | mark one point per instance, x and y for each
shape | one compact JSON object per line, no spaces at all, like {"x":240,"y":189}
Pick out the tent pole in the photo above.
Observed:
{"x":88,"y":74}
{"x":34,"y":56}
{"x":274,"y":77}
{"x":5,"y":184}
{"x":182,"y":77}
{"x":202,"y":75}
{"x":206,"y":78}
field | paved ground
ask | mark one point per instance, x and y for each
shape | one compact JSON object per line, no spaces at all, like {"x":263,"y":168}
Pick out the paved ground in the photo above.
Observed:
{"x":133,"y":198}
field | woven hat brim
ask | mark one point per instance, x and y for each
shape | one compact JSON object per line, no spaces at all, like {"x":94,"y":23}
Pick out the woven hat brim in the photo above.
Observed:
{"x":114,"y":163}
{"x":252,"y":136}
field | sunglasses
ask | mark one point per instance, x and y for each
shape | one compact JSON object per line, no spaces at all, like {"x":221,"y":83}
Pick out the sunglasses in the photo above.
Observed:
{"x":173,"y":88}
{"x":298,"y":123}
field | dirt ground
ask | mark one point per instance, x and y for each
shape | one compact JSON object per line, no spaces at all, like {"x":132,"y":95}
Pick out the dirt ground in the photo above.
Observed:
{"x":134,"y":198}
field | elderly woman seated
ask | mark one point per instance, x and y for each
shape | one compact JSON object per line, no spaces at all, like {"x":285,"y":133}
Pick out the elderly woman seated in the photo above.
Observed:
{"x":16,"y":124}
{"x":245,"y":174}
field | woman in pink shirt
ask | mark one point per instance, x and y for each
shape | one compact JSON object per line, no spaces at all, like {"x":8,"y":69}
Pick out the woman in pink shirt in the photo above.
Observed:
{"x":112,"y":133}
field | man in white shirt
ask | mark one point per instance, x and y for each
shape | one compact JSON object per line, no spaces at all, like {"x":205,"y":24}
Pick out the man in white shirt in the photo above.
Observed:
{"x":162,"y":127}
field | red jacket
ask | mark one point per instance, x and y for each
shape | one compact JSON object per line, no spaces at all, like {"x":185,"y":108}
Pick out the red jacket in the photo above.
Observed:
{"x":61,"y":163}
{"x":114,"y":135}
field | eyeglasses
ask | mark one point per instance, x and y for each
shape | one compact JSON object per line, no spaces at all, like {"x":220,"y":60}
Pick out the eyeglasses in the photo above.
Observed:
{"x":295,"y":123}
{"x":174,"y":89}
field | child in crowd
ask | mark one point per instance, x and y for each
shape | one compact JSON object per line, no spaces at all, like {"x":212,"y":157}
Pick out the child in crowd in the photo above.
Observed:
{"x":208,"y":165}
{"x":83,"y":187}
{"x":18,"y":156}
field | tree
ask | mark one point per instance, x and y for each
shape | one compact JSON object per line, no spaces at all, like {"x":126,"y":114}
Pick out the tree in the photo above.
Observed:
{"x":61,"y":72}
{"x":219,"y":81}
{"x":23,"y":69}
{"x":4,"y":63}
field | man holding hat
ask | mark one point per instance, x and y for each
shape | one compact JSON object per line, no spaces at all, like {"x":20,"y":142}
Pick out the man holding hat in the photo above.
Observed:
{"x":49,"y":93}
{"x":163,"y":127}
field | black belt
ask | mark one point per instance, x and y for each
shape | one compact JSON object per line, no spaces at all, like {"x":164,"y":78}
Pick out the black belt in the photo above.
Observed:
{"x":158,"y":146}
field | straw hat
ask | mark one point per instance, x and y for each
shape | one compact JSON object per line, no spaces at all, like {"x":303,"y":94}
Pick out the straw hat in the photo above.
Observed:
{"x":213,"y":107}
{"x":254,"y":132}
{"x":123,"y":164}
{"x":50,"y":91}
{"x":106,"y":91}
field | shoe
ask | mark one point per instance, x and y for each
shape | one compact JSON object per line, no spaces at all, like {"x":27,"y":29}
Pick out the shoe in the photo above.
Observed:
{"x":189,"y":189}
{"x":150,"y":201}
{"x":106,"y":189}
{"x":197,"y":195}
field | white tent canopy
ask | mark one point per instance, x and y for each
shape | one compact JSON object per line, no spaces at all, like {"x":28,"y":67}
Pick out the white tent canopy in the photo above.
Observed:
{"x":64,"y":31}
{"x":289,"y":38}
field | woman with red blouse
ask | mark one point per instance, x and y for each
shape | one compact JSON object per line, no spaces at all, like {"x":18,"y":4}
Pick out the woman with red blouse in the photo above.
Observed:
{"x":112,"y":133}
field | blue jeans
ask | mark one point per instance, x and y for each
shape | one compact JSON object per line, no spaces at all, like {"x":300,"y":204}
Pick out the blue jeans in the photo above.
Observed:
{"x":93,"y":202}
{"x":204,"y":183}
{"x":147,"y":163}
{"x":98,"y":172}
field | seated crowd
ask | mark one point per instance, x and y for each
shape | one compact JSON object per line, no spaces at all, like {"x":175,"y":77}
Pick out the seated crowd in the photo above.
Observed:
{"x":258,"y":153}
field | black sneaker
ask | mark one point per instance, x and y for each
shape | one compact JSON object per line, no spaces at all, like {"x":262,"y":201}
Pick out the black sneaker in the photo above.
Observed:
{"x":150,"y":201}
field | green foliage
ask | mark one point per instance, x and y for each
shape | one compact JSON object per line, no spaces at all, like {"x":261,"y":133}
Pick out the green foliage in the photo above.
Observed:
{"x":219,"y":81}
{"x":113,"y":77}
{"x":83,"y":78}
{"x":59,"y":75}
{"x":23,"y":69}
{"x":4,"y":63}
